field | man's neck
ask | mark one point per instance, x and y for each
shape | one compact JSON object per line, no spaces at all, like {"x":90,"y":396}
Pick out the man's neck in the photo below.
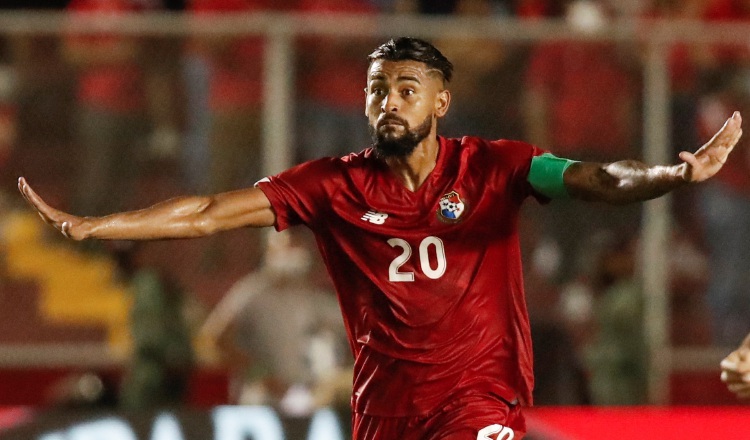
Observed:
{"x":414,"y":169}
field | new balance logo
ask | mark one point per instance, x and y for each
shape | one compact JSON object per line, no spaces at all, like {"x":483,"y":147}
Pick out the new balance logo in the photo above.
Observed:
{"x":377,"y":218}
{"x":488,"y":433}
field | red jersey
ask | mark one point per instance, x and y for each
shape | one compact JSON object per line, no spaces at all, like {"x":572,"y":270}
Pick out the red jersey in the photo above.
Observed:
{"x":430,"y":281}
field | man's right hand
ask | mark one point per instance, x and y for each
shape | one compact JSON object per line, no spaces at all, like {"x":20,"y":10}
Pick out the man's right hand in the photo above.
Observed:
{"x":69,"y":225}
{"x":179,"y":217}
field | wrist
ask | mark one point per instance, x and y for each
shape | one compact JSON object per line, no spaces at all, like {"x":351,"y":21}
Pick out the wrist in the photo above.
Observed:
{"x":83,"y":229}
{"x":681,"y":173}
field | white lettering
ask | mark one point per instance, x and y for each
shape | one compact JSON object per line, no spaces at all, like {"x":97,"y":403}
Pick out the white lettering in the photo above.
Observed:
{"x":395,"y":275}
{"x":503,"y":433}
{"x":166,"y":427}
{"x":241,"y":422}
{"x":105,"y":429}
{"x":52,"y":436}
{"x":424,"y":257}
{"x":325,"y":426}
{"x":230,"y":423}
{"x":393,"y":270}
{"x":376,"y":218}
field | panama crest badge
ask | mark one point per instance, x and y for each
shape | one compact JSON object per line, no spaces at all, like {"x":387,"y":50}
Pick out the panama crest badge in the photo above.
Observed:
{"x":451,"y":207}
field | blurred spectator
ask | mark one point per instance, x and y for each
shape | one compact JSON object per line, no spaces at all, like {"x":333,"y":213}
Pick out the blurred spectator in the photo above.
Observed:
{"x":235,"y":96}
{"x":195,"y":152}
{"x":442,"y":7}
{"x":430,"y":7}
{"x":36,"y":94}
{"x":725,"y":209}
{"x":689,"y":274}
{"x":40,"y":83}
{"x":725,"y":203}
{"x":581,"y":102}
{"x":535,"y":9}
{"x":234,"y":69}
{"x":558,"y":373}
{"x":487,"y":92}
{"x":112,"y":127}
{"x":686,"y":61}
{"x":282,"y":335}
{"x":33,"y":4}
{"x":160,"y":58}
{"x":729,"y":11}
{"x":82,"y":391}
{"x":9,"y":66}
{"x":162,"y":361}
{"x":617,"y":359}
{"x":330,"y":86}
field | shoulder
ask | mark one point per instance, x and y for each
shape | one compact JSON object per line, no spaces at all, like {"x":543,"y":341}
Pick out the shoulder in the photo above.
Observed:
{"x":504,"y":150}
{"x":328,"y":172}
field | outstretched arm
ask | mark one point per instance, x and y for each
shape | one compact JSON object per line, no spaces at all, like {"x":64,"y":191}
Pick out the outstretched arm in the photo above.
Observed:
{"x":735,"y":370}
{"x":181,"y":217}
{"x":631,"y":181}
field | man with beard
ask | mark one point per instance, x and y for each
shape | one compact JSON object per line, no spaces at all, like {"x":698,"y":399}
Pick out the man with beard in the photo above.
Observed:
{"x":419,"y":234}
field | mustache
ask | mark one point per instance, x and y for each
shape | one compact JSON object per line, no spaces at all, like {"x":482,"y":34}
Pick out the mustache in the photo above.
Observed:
{"x":392,"y":118}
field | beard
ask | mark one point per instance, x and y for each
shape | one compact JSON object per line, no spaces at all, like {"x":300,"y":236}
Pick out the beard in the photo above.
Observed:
{"x":389,"y":144}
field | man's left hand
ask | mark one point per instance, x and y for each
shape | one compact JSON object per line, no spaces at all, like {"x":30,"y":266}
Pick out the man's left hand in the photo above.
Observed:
{"x":709,"y":159}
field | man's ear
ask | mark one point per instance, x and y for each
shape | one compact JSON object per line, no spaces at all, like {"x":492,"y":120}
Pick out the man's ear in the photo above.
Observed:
{"x":365,"y":90}
{"x":442,"y":102}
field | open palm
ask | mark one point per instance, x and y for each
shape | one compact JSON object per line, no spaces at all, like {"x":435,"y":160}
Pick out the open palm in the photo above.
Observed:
{"x":709,"y":158}
{"x":62,"y":221}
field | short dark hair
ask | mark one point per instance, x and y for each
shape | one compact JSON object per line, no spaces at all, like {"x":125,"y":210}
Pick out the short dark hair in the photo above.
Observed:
{"x":408,"y":48}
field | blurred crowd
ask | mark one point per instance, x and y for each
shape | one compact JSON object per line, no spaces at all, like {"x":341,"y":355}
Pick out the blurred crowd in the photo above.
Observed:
{"x":110,"y":122}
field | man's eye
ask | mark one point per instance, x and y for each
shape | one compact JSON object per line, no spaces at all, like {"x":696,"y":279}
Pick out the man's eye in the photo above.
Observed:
{"x":408,"y":92}
{"x":377,"y":92}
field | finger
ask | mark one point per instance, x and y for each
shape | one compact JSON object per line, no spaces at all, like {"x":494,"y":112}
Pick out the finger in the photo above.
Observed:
{"x":49,"y":214}
{"x":740,"y":356}
{"x":729,"y":366}
{"x":739,"y":388}
{"x":729,"y":377}
{"x":732,"y":142}
{"x":723,"y":142}
{"x":735,"y":120}
{"x":22,"y":185}
{"x":32,"y":197}
{"x":731,"y":361}
{"x":728,"y":131}
{"x":737,"y":116}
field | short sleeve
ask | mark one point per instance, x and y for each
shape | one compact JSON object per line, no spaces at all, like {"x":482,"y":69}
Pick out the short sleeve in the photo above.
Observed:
{"x":513,"y":160}
{"x":301,"y":195}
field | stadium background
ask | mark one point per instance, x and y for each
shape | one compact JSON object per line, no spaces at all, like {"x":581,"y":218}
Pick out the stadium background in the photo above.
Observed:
{"x":66,"y":309}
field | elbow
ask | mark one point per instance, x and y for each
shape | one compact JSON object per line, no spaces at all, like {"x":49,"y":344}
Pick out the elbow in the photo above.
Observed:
{"x":203,"y":227}
{"x":202,"y":222}
{"x":603,"y":186}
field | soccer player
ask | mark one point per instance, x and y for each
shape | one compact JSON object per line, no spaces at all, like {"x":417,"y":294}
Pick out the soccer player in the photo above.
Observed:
{"x":735,"y":370}
{"x":419,"y":234}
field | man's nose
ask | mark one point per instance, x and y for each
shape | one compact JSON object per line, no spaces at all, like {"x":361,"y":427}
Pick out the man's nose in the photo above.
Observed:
{"x":390,"y":103}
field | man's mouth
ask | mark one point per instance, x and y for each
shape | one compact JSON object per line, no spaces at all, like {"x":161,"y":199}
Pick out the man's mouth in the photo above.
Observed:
{"x":390,"y":123}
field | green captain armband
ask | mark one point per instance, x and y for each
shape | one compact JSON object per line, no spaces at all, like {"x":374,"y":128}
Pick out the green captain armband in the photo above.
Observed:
{"x":546,"y":175}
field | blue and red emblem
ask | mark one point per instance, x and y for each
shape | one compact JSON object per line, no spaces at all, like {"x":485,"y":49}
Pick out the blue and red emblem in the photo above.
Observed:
{"x":451,"y":207}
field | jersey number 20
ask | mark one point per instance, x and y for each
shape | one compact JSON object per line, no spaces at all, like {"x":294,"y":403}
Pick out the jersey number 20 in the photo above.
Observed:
{"x":395,"y":275}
